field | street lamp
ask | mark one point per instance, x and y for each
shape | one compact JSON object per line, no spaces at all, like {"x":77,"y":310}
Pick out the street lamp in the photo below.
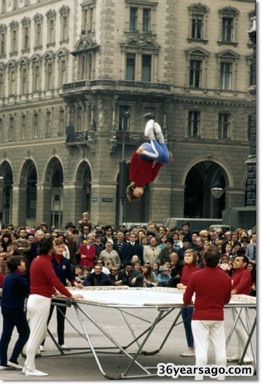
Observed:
{"x":217,"y":191}
{"x":123,"y":167}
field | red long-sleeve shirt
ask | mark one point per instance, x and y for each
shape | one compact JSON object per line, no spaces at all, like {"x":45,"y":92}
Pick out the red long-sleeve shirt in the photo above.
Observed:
{"x":143,"y":171}
{"x":212,"y":288}
{"x":89,"y":253}
{"x":43,"y":280}
{"x":187,"y":271}
{"x":241,"y":280}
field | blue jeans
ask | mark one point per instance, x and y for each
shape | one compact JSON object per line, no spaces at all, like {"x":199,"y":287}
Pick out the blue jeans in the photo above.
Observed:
{"x":13,"y":317}
{"x":187,"y":317}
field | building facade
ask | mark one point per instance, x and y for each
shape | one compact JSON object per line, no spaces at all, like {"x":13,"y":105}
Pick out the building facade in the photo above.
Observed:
{"x":78,"y":81}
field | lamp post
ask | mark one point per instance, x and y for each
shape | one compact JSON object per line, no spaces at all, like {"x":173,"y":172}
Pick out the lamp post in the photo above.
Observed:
{"x":123,"y":168}
{"x":217,"y":191}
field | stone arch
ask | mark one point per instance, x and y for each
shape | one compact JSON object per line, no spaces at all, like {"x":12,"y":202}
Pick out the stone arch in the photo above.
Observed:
{"x":83,"y":180}
{"x":6,"y":192}
{"x":198,"y":199}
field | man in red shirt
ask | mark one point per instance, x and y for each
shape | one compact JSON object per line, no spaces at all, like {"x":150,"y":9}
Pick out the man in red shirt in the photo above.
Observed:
{"x":43,"y":284}
{"x":212,"y":290}
{"x":147,"y":161}
{"x":241,"y":281}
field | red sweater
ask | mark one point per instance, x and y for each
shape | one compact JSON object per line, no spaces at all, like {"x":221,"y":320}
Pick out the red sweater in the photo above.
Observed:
{"x":43,"y":280}
{"x":241,"y":280}
{"x":90,"y":255}
{"x":187,"y":271}
{"x":143,"y":171}
{"x":212,"y":288}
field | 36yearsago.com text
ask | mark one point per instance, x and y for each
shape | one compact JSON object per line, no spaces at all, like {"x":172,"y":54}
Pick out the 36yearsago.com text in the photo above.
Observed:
{"x":213,"y":371}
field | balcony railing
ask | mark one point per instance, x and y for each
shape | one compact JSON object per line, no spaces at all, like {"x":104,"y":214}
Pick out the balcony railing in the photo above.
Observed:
{"x":74,"y":138}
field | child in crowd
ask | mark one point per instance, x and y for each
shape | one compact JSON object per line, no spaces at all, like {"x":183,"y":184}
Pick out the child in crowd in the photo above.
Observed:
{"x":15,"y":290}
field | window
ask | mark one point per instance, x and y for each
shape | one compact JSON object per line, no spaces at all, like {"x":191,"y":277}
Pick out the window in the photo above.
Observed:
{"x":13,"y":36}
{"x":227,"y":29}
{"x":124,"y":116}
{"x":130,"y":66}
{"x":48,"y":123}
{"x":51,"y":15}
{"x":88,"y":18}
{"x":26,"y":33}
{"x":12,"y":79}
{"x":49,"y":74}
{"x":36,"y":74}
{"x":146,"y":20}
{"x":223,"y":125}
{"x":193,"y":124}
{"x":23,"y":127}
{"x":11,"y":128}
{"x":2,"y":82}
{"x":146,"y":68}
{"x":61,"y":121}
{"x":24,"y":78}
{"x":197,"y":27}
{"x":133,"y":19}
{"x":38,"y":20}
{"x":35,"y":125}
{"x":195,"y":73}
{"x":3,"y":6}
{"x":226,"y":76}
{"x":64,"y":17}
{"x":3,"y":30}
{"x":229,"y":22}
{"x":142,"y":16}
{"x":198,"y":14}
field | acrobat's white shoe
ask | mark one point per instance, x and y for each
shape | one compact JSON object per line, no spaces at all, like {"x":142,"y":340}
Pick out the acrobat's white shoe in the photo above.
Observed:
{"x":159,"y":133}
{"x":149,"y":129}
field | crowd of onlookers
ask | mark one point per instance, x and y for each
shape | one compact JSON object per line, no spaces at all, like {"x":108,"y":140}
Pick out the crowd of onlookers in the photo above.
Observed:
{"x":140,"y":257}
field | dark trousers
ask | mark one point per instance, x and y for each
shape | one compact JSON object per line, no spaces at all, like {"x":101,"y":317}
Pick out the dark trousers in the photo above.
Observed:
{"x":13,"y":317}
{"x":60,"y":321}
{"x":187,"y":317}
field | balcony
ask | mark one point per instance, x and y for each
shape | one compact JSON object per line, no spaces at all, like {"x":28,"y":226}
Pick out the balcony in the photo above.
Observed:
{"x":77,"y":138}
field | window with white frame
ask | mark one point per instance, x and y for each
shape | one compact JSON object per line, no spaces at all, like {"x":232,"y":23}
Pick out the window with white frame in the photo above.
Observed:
{"x":198,"y":14}
{"x":193,"y":124}
{"x":223,"y":126}
{"x":226,"y":65}
{"x":226,"y":75}
{"x":197,"y":67}
{"x":228,"y":26}
{"x":195,"y":72}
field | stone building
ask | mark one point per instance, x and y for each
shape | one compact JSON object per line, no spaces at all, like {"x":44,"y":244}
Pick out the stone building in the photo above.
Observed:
{"x":78,"y":81}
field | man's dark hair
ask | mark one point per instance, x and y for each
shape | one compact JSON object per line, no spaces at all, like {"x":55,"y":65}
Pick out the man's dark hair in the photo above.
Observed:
{"x":14,"y":262}
{"x":244,"y":258}
{"x":45,"y":246}
{"x":212,"y":256}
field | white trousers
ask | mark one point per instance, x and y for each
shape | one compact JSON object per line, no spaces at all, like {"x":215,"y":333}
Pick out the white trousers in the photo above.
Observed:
{"x":38,"y":308}
{"x":203,"y":332}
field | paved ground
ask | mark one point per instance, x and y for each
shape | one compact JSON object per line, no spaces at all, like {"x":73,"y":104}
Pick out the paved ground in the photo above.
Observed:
{"x":83,"y":367}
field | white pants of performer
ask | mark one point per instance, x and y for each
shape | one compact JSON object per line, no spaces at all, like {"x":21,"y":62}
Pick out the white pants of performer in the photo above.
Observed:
{"x":38,"y":308}
{"x":203,"y":331}
{"x":242,"y":336}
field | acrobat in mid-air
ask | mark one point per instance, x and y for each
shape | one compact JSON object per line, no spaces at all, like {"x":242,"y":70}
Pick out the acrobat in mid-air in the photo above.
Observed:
{"x":147,"y":160}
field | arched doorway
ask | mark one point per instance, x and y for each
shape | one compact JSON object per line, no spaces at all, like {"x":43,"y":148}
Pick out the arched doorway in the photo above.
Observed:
{"x":28,"y":179}
{"x":199,"y":202}
{"x":55,"y":176}
{"x":6,"y":193}
{"x":83,"y":179}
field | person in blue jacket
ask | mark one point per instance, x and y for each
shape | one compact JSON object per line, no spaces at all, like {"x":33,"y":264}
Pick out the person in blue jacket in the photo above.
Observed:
{"x":15,"y":289}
